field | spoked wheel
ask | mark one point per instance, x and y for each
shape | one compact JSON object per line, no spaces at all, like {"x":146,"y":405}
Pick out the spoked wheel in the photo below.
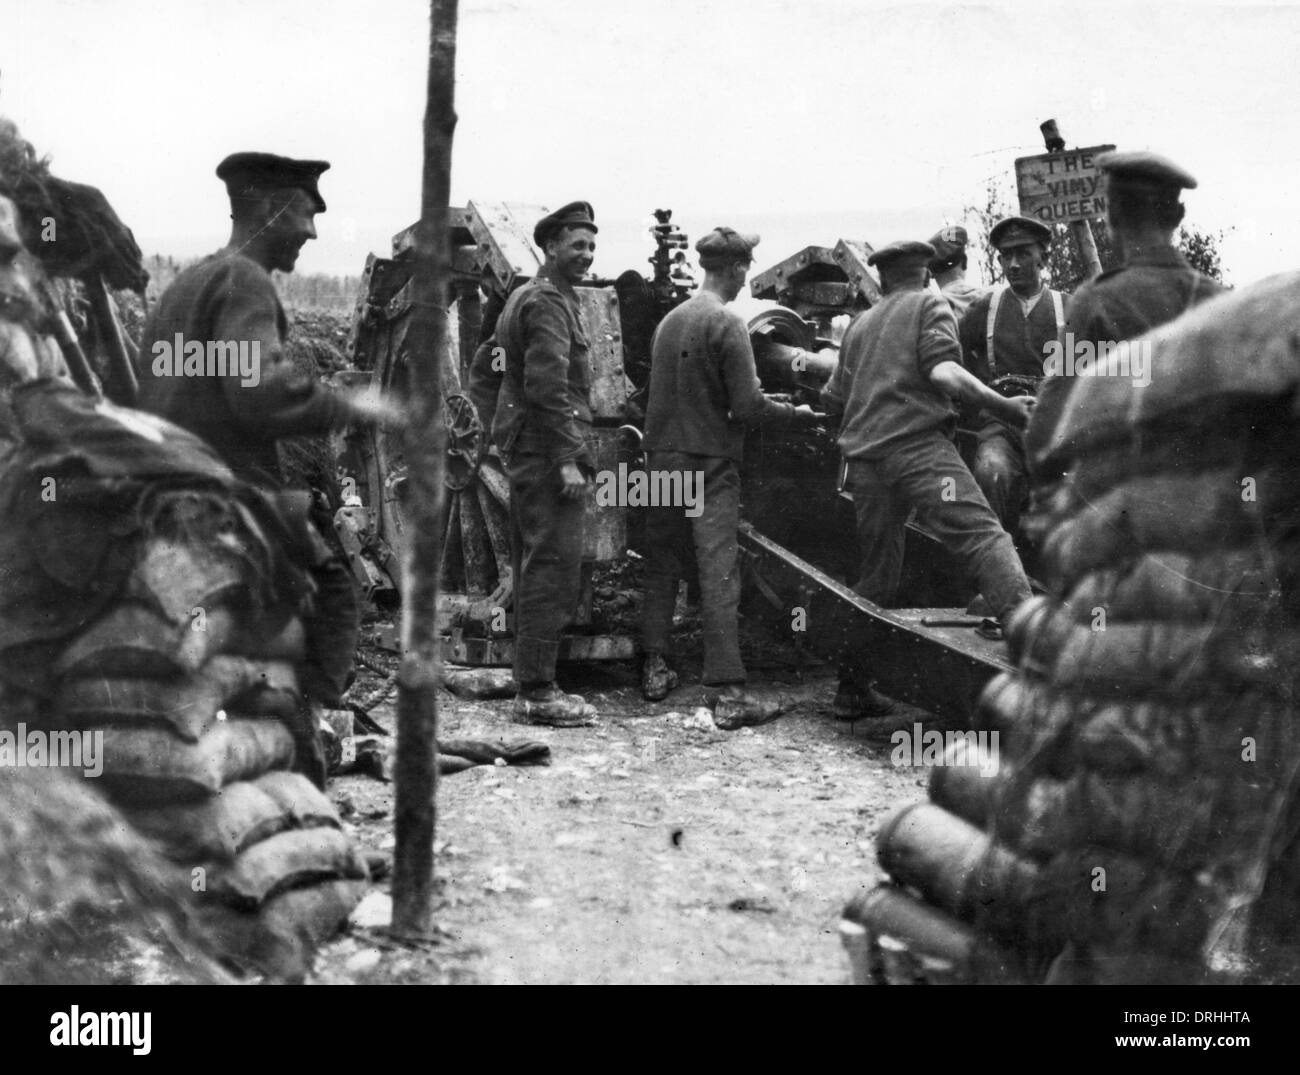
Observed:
{"x":466,"y":441}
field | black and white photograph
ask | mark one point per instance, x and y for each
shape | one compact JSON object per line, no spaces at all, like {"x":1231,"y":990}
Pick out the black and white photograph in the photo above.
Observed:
{"x":508,"y":492}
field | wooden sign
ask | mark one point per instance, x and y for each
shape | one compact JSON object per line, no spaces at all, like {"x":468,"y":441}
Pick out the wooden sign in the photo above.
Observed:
{"x":1059,"y":188}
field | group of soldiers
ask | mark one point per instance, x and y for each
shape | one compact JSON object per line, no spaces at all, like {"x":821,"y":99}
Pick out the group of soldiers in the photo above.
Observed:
{"x":910,"y":367}
{"x":912,"y":357}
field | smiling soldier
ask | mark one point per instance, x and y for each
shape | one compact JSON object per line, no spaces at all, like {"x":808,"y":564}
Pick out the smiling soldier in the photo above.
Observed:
{"x":542,"y":420}
{"x":229,"y":298}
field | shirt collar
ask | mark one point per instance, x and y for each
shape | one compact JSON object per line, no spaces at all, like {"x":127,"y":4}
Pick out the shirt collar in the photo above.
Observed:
{"x":1042,"y":287}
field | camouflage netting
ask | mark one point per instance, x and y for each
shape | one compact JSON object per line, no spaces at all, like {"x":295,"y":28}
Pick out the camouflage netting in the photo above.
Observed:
{"x":1144,"y":822}
{"x":148,"y":597}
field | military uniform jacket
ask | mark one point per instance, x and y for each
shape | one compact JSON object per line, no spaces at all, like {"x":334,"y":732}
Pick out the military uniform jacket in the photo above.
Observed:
{"x":882,"y":384}
{"x":1151,"y":289}
{"x":704,"y":388}
{"x":543,"y":407}
{"x":229,"y":298}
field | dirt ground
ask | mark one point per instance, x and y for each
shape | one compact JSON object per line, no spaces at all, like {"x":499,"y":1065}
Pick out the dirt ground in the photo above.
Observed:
{"x":654,"y":849}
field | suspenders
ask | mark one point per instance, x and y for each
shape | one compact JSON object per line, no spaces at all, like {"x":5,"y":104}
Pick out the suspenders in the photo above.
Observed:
{"x":995,"y":302}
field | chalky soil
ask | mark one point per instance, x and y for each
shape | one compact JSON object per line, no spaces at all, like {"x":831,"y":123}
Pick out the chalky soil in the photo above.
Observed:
{"x":655,"y":848}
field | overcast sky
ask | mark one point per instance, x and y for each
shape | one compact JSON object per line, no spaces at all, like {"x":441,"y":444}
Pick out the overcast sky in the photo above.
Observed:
{"x":805,"y":121}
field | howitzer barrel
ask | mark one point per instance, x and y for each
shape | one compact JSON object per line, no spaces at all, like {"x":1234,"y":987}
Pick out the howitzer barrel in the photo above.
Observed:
{"x":792,"y":367}
{"x":786,"y":353}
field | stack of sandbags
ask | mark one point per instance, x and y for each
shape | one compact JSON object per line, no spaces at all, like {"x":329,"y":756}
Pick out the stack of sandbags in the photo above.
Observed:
{"x":1146,"y":788}
{"x":194,"y":692}
{"x":162,"y":621}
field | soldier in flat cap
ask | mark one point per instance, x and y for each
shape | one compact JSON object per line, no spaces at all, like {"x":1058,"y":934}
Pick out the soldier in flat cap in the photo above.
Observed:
{"x":543,"y":416}
{"x":899,"y":374}
{"x":1007,"y":332}
{"x":212,"y":360}
{"x":704,"y":393}
{"x":948,"y":269}
{"x":1154,"y":284}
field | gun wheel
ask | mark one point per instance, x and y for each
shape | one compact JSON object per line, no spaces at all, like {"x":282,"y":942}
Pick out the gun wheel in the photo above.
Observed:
{"x":465,"y":441}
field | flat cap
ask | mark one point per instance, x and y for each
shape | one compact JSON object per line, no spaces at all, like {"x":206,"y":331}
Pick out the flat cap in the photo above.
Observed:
{"x":723,"y":245}
{"x":241,"y":171}
{"x":948,"y":244}
{"x":1019,"y":231}
{"x":573,"y":215}
{"x":905,"y":254}
{"x":1146,"y":169}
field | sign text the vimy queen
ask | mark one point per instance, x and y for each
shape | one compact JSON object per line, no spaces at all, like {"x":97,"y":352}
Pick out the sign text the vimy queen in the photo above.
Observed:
{"x":1058,"y":188}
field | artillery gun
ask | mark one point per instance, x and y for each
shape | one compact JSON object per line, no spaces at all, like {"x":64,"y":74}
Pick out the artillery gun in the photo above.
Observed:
{"x":798,"y":538}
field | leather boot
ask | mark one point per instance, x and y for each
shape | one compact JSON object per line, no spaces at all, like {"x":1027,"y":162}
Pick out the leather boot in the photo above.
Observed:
{"x":546,"y":704}
{"x":734,"y":707}
{"x":855,"y":702}
{"x":657,"y":679}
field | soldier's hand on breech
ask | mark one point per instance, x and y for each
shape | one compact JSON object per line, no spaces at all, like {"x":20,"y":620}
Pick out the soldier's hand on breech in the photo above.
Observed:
{"x":805,"y":415}
{"x":573,"y":483}
{"x":1019,"y":409}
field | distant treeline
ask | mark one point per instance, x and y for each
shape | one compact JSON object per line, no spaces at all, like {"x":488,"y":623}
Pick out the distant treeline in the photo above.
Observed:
{"x":299,"y":291}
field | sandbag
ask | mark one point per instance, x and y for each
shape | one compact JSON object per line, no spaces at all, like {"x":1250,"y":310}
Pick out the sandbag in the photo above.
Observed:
{"x":152,"y":766}
{"x":955,"y":866}
{"x":1185,"y":449}
{"x":1197,"y":515}
{"x":133,"y":640}
{"x":272,"y":635}
{"x":1175,"y":587}
{"x":965,"y":784}
{"x":187,"y":704}
{"x":1036,"y":631}
{"x":1218,"y":734}
{"x":1045,"y":640}
{"x":1113,"y":899}
{"x":281,"y":938}
{"x":302,"y":802}
{"x":178,"y":577}
{"x":904,"y":941}
{"x":289,"y":859}
{"x":270,"y":691}
{"x":1172,"y":821}
{"x":1175,"y":659}
{"x":1184,"y":821}
{"x":241,"y":814}
{"x":1034,"y":721}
